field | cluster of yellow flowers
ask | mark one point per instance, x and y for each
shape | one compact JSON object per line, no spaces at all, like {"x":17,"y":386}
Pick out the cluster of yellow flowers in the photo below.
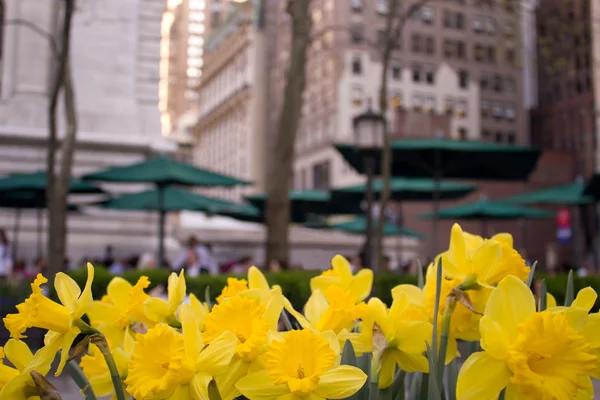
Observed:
{"x":150,"y":348}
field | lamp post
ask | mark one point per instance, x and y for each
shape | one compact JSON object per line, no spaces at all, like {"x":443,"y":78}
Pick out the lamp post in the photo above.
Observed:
{"x":369,"y":131}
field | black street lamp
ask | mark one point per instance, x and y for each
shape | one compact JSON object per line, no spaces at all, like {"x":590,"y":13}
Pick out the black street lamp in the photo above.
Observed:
{"x":369,"y":130}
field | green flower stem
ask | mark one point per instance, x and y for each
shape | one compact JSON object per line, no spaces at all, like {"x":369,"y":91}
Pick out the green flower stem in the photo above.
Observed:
{"x":80,"y":379}
{"x":450,"y":306}
{"x":100,"y":341}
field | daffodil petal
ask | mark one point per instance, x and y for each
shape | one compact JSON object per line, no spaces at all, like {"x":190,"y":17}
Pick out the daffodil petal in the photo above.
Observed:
{"x":412,"y":362}
{"x":362,"y":283}
{"x":550,"y":300}
{"x":509,"y":304}
{"x":192,"y":340}
{"x":591,"y":329}
{"x":388,"y":368}
{"x":176,"y":290}
{"x":183,"y":392}
{"x":215,"y":358}
{"x":15,"y":388}
{"x":494,"y":339}
{"x":273,"y":309}
{"x":512,"y":393}
{"x":586,"y":298}
{"x":17,"y":352}
{"x":340,"y":383}
{"x":412,"y":336}
{"x":334,"y":343}
{"x":236,"y":370}
{"x":65,"y":345}
{"x":156,"y":309}
{"x":85,"y":300}
{"x":377,"y":310}
{"x":414,"y":293}
{"x":322,"y":282}
{"x":102,"y":385}
{"x":505,"y":238}
{"x":100,"y":312}
{"x":118,"y":291}
{"x":260,"y":386}
{"x":481,"y":377}
{"x":299,"y":317}
{"x":342,"y":267}
{"x":199,"y":387}
{"x":315,"y":307}
{"x":67,"y":290}
{"x":457,"y":257}
{"x":486,"y":261}
{"x":43,"y":358}
{"x":256,"y":279}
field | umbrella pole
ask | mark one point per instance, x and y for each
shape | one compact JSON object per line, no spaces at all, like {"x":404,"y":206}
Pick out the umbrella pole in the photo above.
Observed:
{"x":484,"y":228}
{"x":16,"y":229}
{"x":161,"y":225}
{"x":369,"y":253}
{"x":436,"y":202}
{"x":39,"y":232}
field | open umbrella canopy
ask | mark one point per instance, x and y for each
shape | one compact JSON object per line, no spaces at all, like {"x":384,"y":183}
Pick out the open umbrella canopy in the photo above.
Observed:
{"x":175,"y":199}
{"x":405,"y":189}
{"x":447,"y":158}
{"x":358,"y":226}
{"x":310,"y":202}
{"x":165,"y":171}
{"x":487,"y":210}
{"x":570,"y":194}
{"x":26,"y":200}
{"x":37,"y":182}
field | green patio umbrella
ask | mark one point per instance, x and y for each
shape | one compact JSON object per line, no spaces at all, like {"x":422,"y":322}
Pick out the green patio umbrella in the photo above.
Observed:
{"x":405,"y":189}
{"x":569,"y":194}
{"x":485,"y":210}
{"x":306,"y":202}
{"x":36,"y":182}
{"x":441,"y":158}
{"x":164,"y":172}
{"x":358,"y":226}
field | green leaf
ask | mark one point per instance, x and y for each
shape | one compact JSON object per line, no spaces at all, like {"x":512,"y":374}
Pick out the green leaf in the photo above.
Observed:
{"x":472,"y":347}
{"x":569,"y":296}
{"x":213,"y":391}
{"x":386,"y":394}
{"x":502,"y":393}
{"x":420,"y":280}
{"x":373,"y":390}
{"x":207,"y":297}
{"x":364,"y":363}
{"x":543,"y":296}
{"x":286,"y":321}
{"x":531,"y":274}
{"x":398,"y":385}
{"x":415,"y":381}
{"x":348,"y":355}
{"x":433,"y":390}
{"x":75,"y":372}
{"x":432,"y":354}
{"x":452,"y":379}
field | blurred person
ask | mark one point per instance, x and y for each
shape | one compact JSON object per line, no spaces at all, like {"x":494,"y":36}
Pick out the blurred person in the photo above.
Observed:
{"x":6,"y":260}
{"x":206,"y":260}
{"x":108,"y":257}
{"x":241,"y":266}
{"x":146,"y":261}
{"x":118,"y":267}
{"x":355,"y":262}
{"x":275,"y":266}
{"x":188,"y":258}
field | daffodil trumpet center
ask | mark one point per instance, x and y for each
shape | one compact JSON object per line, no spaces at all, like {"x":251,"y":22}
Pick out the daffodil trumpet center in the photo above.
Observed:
{"x":41,"y":312}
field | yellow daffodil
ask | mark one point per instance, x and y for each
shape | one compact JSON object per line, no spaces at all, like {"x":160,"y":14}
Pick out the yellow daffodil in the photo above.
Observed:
{"x":122,"y":307}
{"x":167,"y":364}
{"x":303,"y":365}
{"x":16,"y":383}
{"x":486,"y":264}
{"x":59,"y":319}
{"x":95,"y":368}
{"x":335,"y":311}
{"x":341,"y":275}
{"x":534,"y":355}
{"x":201,"y":309}
{"x":160,"y":310}
{"x":250,"y":321}
{"x":234,"y":286}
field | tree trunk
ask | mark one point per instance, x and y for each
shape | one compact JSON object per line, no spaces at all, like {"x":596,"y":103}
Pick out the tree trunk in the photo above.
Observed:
{"x":386,"y":154}
{"x":55,"y":199}
{"x":278,"y":178}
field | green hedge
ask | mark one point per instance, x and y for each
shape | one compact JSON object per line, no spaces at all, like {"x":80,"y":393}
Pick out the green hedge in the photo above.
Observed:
{"x":295,"y":284}
{"x":296,"y":287}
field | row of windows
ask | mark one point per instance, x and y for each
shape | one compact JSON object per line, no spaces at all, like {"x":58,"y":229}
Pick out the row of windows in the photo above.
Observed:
{"x":498,"y":110}
{"x":381,"y":6}
{"x":498,"y":136}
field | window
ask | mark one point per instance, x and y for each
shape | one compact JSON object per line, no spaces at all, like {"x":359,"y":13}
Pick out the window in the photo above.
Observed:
{"x":511,"y":138}
{"x":490,"y":26}
{"x":454,"y":20}
{"x":498,"y":83}
{"x":427,"y":15}
{"x":460,"y":21}
{"x":418,"y":100}
{"x":430,"y":75}
{"x":416,"y":43}
{"x":396,"y":99}
{"x":396,"y":71}
{"x":463,"y":78}
{"x":430,"y":45}
{"x":416,"y":73}
{"x":511,"y":56}
{"x":357,"y":95}
{"x":357,"y":5}
{"x":449,"y":105}
{"x":356,"y":33}
{"x":448,"y":48}
{"x":478,"y":52}
{"x":462,"y":133}
{"x":321,"y":176}
{"x":447,"y":19}
{"x":381,"y":6}
{"x":498,"y":137}
{"x":491,"y":54}
{"x":497,"y":111}
{"x":461,"y":51}
{"x":429,"y":103}
{"x":461,"y":108}
{"x":509,"y":112}
{"x":485,"y":108}
{"x":477,"y":24}
{"x":509,"y":84}
{"x":356,"y":65}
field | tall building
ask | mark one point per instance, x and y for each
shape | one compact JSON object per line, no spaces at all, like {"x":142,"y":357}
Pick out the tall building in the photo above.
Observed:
{"x":454,"y":58}
{"x":565,"y":117}
{"x":183,"y":31}
{"x":115,"y":50}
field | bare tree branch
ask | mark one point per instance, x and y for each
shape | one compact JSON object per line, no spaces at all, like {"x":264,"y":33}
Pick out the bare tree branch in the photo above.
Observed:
{"x":33,"y":27}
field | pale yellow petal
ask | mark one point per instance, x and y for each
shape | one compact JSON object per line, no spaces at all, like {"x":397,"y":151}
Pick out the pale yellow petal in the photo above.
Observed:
{"x":215,"y":357}
{"x":342,"y":267}
{"x":509,"y":304}
{"x":273,"y":309}
{"x":414,"y":293}
{"x":399,"y":306}
{"x":591,"y":329}
{"x":550,"y":300}
{"x":505,"y":238}
{"x":199,"y":387}
{"x":315,"y":307}
{"x":457,"y":254}
{"x":362,"y":284}
{"x":102,"y":385}
{"x":67,"y":290}
{"x":481,"y":377}
{"x":586,"y":298}
{"x":360,"y":341}
{"x":334,"y":342}
{"x":236,"y":370}
{"x":322,"y":282}
{"x":412,"y":362}
{"x":65,"y":346}
{"x":156,"y":309}
{"x":176,"y":290}
{"x":260,"y":386}
{"x":587,"y":389}
{"x":486,"y":261}
{"x":341,"y":382}
{"x":256,"y":279}
{"x":494,"y":339}
{"x":17,"y":352}
{"x":85,"y":300}
{"x":101,"y":312}
{"x":192,"y":339}
{"x":387,"y":370}
{"x":304,"y":323}
{"x":377,"y":310}
{"x":412,"y":336}
{"x":118,"y":292}
{"x":512,"y":393}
